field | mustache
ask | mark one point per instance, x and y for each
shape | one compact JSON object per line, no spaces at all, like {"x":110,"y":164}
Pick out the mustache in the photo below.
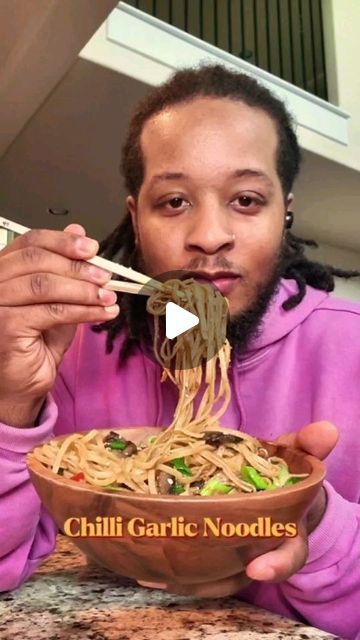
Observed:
{"x":219,"y":263}
{"x":197,"y":263}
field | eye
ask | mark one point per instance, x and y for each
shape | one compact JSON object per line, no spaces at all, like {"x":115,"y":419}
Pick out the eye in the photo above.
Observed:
{"x":173,"y":205}
{"x":245,"y":201}
{"x":248,"y":203}
{"x":176,"y":203}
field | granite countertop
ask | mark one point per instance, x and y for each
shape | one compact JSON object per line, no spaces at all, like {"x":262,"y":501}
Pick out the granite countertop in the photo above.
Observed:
{"x":68,"y":599}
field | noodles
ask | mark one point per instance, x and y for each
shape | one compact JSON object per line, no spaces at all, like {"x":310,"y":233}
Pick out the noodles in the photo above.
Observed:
{"x":194,"y":455}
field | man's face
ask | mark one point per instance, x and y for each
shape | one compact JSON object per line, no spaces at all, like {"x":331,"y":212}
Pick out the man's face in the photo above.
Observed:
{"x":211,"y":200}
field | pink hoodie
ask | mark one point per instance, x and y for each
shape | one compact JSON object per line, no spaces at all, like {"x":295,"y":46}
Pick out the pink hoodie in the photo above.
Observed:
{"x":305,"y":366}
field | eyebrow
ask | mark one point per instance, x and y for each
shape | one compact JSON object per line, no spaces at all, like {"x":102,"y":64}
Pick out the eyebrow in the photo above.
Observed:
{"x":239,"y":173}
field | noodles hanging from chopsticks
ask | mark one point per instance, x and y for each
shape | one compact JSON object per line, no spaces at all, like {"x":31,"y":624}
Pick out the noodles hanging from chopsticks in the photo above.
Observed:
{"x":194,"y":455}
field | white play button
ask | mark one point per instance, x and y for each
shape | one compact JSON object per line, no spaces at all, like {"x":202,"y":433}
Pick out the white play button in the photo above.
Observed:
{"x":178,"y":320}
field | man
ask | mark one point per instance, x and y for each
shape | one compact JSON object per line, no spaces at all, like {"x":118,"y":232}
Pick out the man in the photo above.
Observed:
{"x":209,"y":165}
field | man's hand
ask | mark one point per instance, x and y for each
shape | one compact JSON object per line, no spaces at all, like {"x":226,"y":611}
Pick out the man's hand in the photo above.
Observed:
{"x":46,"y":289}
{"x":318,"y":439}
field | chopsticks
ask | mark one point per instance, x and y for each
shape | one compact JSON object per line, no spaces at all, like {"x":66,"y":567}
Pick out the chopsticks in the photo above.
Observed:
{"x":128,"y":287}
{"x":107,"y":265}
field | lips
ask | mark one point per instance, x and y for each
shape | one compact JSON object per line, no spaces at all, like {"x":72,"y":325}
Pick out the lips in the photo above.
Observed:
{"x":224,"y":281}
{"x":226,"y":285}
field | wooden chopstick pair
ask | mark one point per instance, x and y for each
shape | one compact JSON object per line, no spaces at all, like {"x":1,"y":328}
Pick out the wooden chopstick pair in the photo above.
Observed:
{"x":106,"y":265}
{"x":129,"y":287}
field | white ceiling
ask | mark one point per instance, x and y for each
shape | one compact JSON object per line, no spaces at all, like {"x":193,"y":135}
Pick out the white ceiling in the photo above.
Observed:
{"x":38,"y":43}
{"x":68,"y":155}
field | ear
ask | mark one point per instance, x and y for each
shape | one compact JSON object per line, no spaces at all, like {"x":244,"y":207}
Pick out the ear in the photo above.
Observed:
{"x":289,"y":201}
{"x":132,"y":208}
{"x":289,"y":215}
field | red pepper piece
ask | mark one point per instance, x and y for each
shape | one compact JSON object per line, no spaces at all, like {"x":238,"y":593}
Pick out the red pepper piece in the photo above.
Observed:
{"x":79,"y":477}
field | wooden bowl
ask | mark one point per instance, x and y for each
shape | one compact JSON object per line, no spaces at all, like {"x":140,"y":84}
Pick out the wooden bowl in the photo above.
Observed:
{"x":174,"y":559}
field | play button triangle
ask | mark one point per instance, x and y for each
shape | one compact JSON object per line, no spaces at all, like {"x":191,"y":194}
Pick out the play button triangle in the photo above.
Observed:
{"x":178,"y":320}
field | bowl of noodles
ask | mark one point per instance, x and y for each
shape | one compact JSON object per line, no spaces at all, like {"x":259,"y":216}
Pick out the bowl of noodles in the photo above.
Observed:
{"x":203,"y":533}
{"x":191,"y":503}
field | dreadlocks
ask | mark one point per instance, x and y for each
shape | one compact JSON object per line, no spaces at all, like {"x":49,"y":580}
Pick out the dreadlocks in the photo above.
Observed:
{"x":184,"y":86}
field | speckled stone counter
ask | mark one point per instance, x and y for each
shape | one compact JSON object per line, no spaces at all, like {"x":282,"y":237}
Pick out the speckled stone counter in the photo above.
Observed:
{"x":68,"y":599}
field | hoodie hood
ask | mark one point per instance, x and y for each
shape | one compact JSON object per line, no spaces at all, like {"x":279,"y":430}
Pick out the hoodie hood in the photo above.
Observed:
{"x":277,"y":322}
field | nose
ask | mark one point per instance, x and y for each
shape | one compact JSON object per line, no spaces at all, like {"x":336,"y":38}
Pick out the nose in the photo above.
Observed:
{"x":210,"y":231}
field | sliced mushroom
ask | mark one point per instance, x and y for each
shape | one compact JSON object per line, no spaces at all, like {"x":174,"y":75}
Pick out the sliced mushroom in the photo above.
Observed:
{"x":197,"y":486}
{"x":130,"y":449}
{"x":164,"y":482}
{"x":218,"y":438}
{"x":127,"y":448}
{"x":111,"y":436}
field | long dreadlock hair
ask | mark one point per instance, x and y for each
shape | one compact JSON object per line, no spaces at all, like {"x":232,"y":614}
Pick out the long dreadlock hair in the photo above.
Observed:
{"x":185,"y":85}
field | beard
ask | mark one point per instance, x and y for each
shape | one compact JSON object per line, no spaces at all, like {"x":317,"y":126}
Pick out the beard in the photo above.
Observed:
{"x":243,"y":327}
{"x":246,"y":326}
